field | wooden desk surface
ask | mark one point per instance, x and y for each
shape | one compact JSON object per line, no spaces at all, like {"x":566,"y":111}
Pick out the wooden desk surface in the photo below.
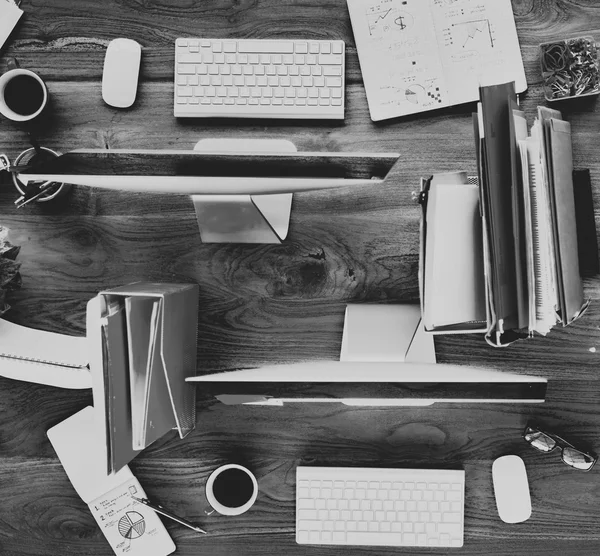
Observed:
{"x":261,"y":304}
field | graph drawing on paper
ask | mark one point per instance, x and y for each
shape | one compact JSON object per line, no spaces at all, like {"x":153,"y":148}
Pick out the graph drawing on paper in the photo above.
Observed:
{"x":417,"y":55}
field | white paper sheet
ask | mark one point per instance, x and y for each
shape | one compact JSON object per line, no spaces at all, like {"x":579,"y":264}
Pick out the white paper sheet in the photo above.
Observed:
{"x":418,"y":55}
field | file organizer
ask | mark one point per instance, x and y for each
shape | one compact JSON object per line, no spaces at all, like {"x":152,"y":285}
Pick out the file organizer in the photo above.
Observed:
{"x":142,"y":342}
{"x":512,"y":238}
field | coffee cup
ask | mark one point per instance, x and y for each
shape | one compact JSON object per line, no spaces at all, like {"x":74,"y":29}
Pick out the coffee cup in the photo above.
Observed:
{"x":231,"y":490}
{"x":23,"y":93}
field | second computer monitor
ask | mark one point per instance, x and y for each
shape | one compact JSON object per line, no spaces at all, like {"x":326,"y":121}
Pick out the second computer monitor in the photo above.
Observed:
{"x":239,"y":196}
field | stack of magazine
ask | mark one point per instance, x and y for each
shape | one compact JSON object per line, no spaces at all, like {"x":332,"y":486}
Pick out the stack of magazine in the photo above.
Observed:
{"x":499,"y":251}
{"x":528,"y":209}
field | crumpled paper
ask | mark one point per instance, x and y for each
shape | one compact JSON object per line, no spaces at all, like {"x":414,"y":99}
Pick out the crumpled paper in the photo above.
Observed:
{"x":10,"y":279}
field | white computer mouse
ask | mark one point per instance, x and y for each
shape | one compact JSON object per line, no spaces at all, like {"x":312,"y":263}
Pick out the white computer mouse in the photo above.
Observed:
{"x":121,"y":72}
{"x":511,"y":489}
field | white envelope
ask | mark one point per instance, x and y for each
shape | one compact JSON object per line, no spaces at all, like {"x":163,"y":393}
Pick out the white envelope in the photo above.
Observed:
{"x":385,"y":333}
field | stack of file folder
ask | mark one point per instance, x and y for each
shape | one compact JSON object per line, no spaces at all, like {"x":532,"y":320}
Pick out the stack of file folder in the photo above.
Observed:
{"x":142,"y":341}
{"x":499,"y":252}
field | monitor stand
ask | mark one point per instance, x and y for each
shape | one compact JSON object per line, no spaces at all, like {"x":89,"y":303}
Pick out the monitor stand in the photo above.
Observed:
{"x":243,"y":218}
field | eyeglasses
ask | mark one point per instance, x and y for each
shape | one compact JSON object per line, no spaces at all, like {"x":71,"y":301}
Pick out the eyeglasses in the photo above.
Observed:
{"x":546,"y":442}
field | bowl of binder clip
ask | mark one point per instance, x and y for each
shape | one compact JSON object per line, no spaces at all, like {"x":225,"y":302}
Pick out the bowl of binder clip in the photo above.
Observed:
{"x":570,"y":68}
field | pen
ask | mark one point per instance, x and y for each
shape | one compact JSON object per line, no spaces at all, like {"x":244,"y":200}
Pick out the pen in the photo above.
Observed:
{"x":162,"y":511}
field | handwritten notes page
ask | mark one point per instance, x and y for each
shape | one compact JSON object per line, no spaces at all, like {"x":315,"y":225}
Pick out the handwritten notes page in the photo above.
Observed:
{"x":418,"y":55}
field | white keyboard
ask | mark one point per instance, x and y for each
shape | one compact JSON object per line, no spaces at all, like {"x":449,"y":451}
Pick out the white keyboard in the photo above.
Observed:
{"x":259,"y":78}
{"x":379,"y":507}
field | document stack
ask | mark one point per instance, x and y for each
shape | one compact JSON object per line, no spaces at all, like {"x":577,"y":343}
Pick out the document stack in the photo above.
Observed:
{"x":142,"y":341}
{"x":501,"y":257}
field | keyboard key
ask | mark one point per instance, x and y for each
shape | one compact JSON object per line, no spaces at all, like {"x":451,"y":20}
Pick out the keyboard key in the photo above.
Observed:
{"x":229,"y":47}
{"x":336,"y":82}
{"x":373,"y":539}
{"x":282,"y":47}
{"x":337,"y":48}
{"x":453,"y":529}
{"x":186,"y":69}
{"x":302,"y":536}
{"x":330,"y":59}
{"x":184,"y":92}
{"x":314,"y":48}
{"x":335,"y":71}
{"x":301,"y":48}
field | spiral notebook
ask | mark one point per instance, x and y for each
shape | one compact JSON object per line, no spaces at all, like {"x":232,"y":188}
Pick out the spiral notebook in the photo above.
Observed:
{"x":43,"y":357}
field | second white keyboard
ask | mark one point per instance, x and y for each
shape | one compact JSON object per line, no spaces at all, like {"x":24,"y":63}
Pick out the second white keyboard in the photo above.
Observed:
{"x":379,"y":507}
{"x":259,"y":78}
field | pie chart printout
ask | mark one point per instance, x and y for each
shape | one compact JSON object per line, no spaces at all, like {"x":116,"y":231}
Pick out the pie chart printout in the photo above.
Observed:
{"x":132,"y":525}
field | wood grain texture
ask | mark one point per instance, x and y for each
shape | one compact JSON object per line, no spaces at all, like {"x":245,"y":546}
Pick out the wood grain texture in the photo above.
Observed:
{"x":276,"y":303}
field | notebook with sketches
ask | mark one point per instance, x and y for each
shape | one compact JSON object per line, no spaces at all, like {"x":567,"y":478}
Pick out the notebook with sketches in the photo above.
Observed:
{"x":43,"y":357}
{"x":130,"y":527}
{"x":142,"y":344}
{"x":9,"y":17}
{"x":418,"y":55}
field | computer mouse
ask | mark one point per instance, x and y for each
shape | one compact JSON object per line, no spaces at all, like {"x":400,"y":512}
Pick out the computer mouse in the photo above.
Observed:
{"x":121,"y":72}
{"x":511,"y":489}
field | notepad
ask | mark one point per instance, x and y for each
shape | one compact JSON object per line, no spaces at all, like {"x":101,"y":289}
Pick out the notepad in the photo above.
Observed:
{"x":43,"y":357}
{"x":418,"y":55}
{"x":130,"y":527}
{"x":9,"y":17}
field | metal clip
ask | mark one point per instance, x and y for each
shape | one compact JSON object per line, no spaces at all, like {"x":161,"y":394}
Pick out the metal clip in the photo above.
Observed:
{"x":4,"y":162}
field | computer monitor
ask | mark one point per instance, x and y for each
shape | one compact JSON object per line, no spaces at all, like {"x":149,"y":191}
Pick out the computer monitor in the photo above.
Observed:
{"x":371,"y":384}
{"x":239,"y":195}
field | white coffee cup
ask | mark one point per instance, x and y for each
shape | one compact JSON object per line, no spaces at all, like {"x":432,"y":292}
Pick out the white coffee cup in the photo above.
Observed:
{"x":216,"y":505}
{"x":5,"y":79}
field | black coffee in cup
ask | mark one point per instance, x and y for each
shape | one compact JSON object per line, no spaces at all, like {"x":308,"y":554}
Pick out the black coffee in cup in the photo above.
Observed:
{"x":24,"y":95}
{"x":233,"y":488}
